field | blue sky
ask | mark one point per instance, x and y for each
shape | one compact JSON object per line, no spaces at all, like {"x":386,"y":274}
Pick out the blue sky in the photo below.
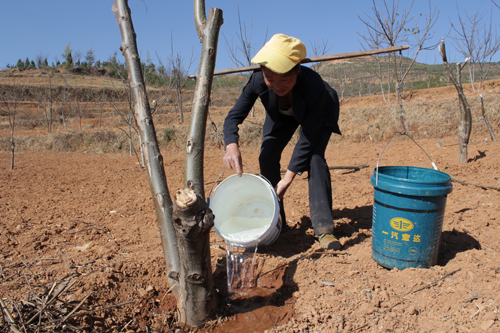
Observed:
{"x":29,"y":28}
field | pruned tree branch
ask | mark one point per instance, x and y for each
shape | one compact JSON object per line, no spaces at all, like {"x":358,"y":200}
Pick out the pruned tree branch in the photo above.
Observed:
{"x":154,"y":159}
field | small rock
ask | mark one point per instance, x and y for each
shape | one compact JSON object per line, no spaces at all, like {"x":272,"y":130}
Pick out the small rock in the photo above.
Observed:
{"x":440,"y":144}
{"x":142,"y":292}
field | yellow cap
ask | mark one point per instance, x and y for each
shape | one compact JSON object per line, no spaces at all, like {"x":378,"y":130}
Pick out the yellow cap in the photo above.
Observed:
{"x":281,"y":53}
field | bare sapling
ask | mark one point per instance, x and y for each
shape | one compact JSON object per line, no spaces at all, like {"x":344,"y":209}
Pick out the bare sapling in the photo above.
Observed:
{"x":477,"y":40}
{"x":185,"y":231}
{"x":396,"y":26}
{"x":179,"y":74}
{"x":81,"y":106}
{"x":65,"y":102}
{"x":100,"y":99}
{"x":11,"y":100}
{"x":45,"y":100}
{"x":241,"y":54}
{"x":465,"y":127}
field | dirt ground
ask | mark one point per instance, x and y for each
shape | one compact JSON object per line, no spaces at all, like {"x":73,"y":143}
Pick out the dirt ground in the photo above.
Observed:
{"x":82,"y":227}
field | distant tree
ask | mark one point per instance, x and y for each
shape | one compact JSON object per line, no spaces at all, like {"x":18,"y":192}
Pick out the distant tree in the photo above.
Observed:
{"x":68,"y":56}
{"x":27,"y":63}
{"x":149,"y":72}
{"x":45,"y":63}
{"x":100,"y":100}
{"x":45,"y":100}
{"x":241,"y":54}
{"x":39,"y":61}
{"x":115,"y":68}
{"x":82,"y":100}
{"x":65,"y":101}
{"x":32,"y":65}
{"x":90,"y":57}
{"x":477,"y":41}
{"x":11,"y":100}
{"x":20,"y":65}
{"x":392,"y":26}
{"x":318,"y":49}
{"x":179,"y":76}
{"x":77,"y":56}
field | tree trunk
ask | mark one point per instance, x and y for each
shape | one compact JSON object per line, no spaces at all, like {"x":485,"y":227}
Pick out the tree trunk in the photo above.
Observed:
{"x":193,"y":221}
{"x":185,"y":233}
{"x":179,"y":104}
{"x":465,"y":127}
{"x":12,"y":148}
{"x":208,"y":31}
{"x":492,"y":134}
{"x":153,"y":158}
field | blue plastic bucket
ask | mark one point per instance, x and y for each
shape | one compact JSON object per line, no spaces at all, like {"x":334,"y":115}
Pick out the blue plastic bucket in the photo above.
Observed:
{"x":408,"y":212}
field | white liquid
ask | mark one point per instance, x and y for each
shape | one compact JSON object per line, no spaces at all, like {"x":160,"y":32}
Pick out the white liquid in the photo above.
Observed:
{"x":248,"y":222}
{"x":244,"y":229}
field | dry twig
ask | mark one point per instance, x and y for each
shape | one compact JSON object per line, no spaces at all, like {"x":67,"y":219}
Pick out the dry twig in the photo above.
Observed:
{"x":484,"y":187}
{"x":11,"y":320}
{"x":434,"y":282}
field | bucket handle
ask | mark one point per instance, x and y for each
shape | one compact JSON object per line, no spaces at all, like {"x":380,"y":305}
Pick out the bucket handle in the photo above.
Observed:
{"x":402,"y":133}
{"x":220,"y":175}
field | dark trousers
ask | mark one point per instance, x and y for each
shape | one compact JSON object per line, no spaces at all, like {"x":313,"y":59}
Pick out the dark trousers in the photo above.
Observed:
{"x":276,"y":137}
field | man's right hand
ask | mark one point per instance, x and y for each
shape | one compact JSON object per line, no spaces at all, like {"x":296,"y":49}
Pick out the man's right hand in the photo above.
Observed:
{"x":232,"y":159}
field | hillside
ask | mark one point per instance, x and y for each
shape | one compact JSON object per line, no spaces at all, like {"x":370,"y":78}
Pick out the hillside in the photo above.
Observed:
{"x":91,"y":113}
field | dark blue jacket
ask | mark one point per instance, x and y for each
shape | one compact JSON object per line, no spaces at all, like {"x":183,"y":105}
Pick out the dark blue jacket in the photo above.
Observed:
{"x":315,"y":106}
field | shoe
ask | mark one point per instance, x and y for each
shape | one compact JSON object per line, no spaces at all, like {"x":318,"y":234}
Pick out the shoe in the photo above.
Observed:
{"x":329,"y":241}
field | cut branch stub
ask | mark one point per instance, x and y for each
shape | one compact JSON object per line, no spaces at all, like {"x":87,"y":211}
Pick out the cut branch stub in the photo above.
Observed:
{"x":193,"y":221}
{"x":191,"y":216}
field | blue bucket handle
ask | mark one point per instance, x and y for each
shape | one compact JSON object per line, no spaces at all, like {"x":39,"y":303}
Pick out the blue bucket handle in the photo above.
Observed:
{"x":402,"y":133}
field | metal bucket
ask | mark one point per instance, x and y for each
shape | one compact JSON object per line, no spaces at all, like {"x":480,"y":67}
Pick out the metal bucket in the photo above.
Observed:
{"x":408,"y":211}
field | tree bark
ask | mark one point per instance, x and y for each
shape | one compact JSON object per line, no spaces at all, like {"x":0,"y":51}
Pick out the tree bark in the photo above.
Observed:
{"x":208,"y":31}
{"x":153,"y":158}
{"x":193,"y":221}
{"x":185,"y":233}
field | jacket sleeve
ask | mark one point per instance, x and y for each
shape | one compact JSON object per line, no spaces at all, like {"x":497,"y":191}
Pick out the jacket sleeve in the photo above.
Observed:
{"x":240,"y":111}
{"x":310,"y":130}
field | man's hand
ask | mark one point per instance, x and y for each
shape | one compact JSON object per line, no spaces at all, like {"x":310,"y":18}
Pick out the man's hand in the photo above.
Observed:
{"x":232,"y":159}
{"x":285,"y":183}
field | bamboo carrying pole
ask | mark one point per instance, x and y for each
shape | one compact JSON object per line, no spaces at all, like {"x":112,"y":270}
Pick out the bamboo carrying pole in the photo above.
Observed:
{"x":315,"y":59}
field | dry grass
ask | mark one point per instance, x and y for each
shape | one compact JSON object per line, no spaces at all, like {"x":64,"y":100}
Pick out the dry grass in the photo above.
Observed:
{"x":431,"y":113}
